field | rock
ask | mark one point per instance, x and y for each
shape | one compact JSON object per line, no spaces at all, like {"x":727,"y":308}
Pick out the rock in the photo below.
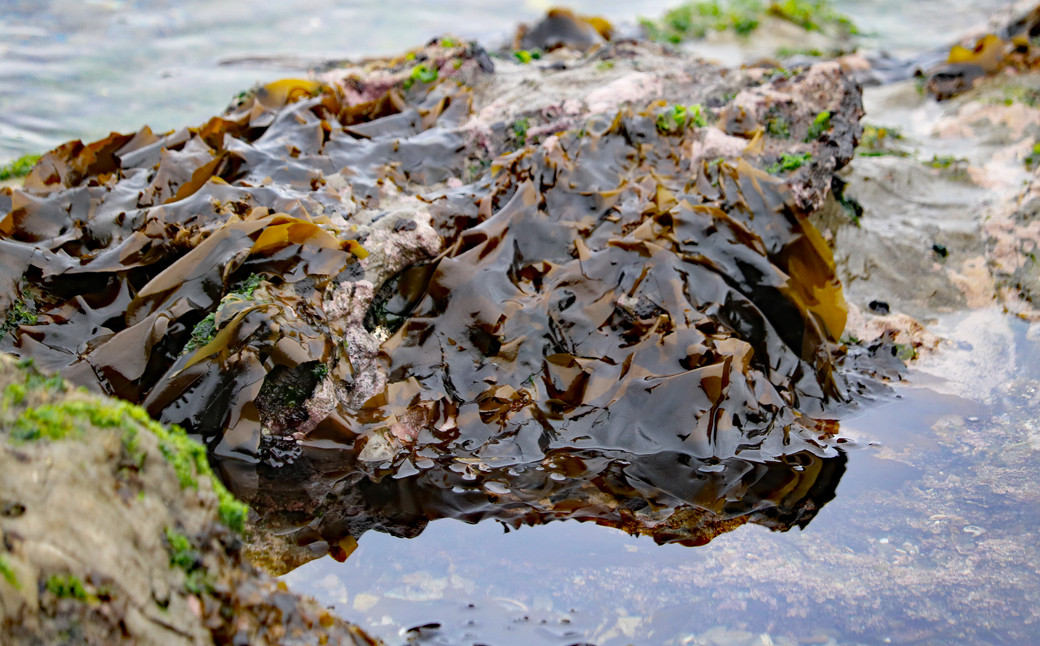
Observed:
{"x":114,"y":530}
{"x":434,"y":286}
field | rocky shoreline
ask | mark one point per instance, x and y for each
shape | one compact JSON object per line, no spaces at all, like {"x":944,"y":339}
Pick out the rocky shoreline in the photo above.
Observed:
{"x":444,"y":284}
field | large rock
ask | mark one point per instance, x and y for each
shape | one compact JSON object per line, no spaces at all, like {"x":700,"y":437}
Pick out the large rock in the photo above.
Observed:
{"x":114,"y":530}
{"x":449,"y":285}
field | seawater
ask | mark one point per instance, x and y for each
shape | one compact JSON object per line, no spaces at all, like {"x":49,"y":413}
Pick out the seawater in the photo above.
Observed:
{"x":931,"y":539}
{"x":79,"y":69}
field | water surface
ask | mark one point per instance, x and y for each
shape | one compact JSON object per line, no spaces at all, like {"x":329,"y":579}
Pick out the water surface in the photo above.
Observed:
{"x":73,"y":69}
{"x":931,"y":540}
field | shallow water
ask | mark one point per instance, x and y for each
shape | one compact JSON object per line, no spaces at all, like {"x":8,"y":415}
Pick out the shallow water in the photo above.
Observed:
{"x":930,"y":540}
{"x":74,"y":69}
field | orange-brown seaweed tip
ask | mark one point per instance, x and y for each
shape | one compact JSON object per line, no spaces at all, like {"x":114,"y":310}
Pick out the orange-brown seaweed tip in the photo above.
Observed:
{"x":388,"y":296}
{"x":1015,"y":48}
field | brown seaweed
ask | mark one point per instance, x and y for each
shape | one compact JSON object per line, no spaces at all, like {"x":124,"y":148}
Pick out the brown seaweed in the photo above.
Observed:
{"x":1013,"y":47}
{"x":612,"y":331}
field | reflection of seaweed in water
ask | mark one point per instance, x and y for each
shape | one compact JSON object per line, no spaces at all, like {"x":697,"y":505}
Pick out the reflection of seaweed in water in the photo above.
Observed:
{"x":612,"y":332}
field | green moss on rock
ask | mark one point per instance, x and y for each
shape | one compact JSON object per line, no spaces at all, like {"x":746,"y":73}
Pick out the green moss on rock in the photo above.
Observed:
{"x":820,"y":125}
{"x":19,"y":167}
{"x":789,"y":162}
{"x":67,"y":586}
{"x":7,"y":572}
{"x":696,"y":19}
{"x":68,"y":417}
{"x":185,"y":557}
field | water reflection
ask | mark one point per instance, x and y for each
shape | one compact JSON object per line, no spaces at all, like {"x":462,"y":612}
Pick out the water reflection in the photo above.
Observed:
{"x":672,"y":497}
{"x":933,"y":543}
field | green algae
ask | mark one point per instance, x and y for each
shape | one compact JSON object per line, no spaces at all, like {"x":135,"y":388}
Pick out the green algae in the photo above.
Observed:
{"x":49,"y":422}
{"x":13,"y":394}
{"x":67,"y":586}
{"x":820,"y":125}
{"x":206,"y":329}
{"x":525,"y":56}
{"x":189,"y":462}
{"x":1032,"y":160}
{"x":421,"y":73}
{"x":678,"y":117}
{"x":202,"y":333}
{"x":743,"y":17}
{"x":789,"y":52}
{"x":7,"y":572}
{"x":19,"y":167}
{"x":876,"y":142}
{"x":519,"y":129}
{"x":789,"y":162}
{"x":22,"y":312}
{"x":812,"y":15}
{"x":67,"y":419}
{"x":778,"y":126}
{"x":186,"y":558}
{"x":943,"y":161}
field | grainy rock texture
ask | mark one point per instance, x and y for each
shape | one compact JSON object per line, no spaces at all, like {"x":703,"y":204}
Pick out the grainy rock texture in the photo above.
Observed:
{"x":110,"y":534}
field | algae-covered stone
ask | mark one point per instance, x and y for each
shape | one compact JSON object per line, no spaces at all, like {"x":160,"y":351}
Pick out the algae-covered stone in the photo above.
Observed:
{"x":474,"y":275}
{"x":114,"y":530}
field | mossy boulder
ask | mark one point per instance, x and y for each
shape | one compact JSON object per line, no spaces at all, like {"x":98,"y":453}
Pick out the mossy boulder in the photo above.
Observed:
{"x":114,"y":530}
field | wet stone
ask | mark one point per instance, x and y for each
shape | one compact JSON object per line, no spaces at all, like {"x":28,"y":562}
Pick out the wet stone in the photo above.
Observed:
{"x":382,"y":299}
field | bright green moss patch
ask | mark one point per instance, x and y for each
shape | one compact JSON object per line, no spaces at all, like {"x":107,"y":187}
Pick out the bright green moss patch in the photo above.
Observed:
{"x":526,"y":56}
{"x":7,"y":572}
{"x":185,"y":557}
{"x":202,"y":333}
{"x":206,"y":329}
{"x":67,"y":587}
{"x":779,"y":127}
{"x":22,"y":312}
{"x":189,"y":462}
{"x":942,"y":161}
{"x":519,"y":128}
{"x":19,"y":167}
{"x":48,"y":422}
{"x":905,"y":352}
{"x":820,"y":125}
{"x":696,"y":19}
{"x":1032,"y":160}
{"x":676,"y":118}
{"x":64,"y":419}
{"x":876,"y":141}
{"x":811,"y":15}
{"x":789,"y":162}
{"x":421,"y":73}
{"x":14,"y":394}
{"x":788,"y":52}
{"x":246,"y":288}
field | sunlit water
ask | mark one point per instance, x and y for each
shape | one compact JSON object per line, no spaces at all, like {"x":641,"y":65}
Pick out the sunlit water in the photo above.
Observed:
{"x":932,"y":538}
{"x":74,"y":69}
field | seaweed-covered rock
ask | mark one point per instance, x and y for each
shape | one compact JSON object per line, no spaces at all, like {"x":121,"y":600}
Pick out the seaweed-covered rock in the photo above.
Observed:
{"x":449,"y":285}
{"x":113,"y":530}
{"x":1010,"y":44}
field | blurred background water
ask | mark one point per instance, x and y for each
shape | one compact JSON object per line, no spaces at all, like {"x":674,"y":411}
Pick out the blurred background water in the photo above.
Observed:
{"x":81,"y":68}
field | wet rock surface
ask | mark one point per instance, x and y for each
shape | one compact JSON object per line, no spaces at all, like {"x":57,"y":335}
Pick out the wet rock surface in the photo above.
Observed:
{"x":446,"y":285}
{"x":419,"y":342}
{"x":110,"y":532}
